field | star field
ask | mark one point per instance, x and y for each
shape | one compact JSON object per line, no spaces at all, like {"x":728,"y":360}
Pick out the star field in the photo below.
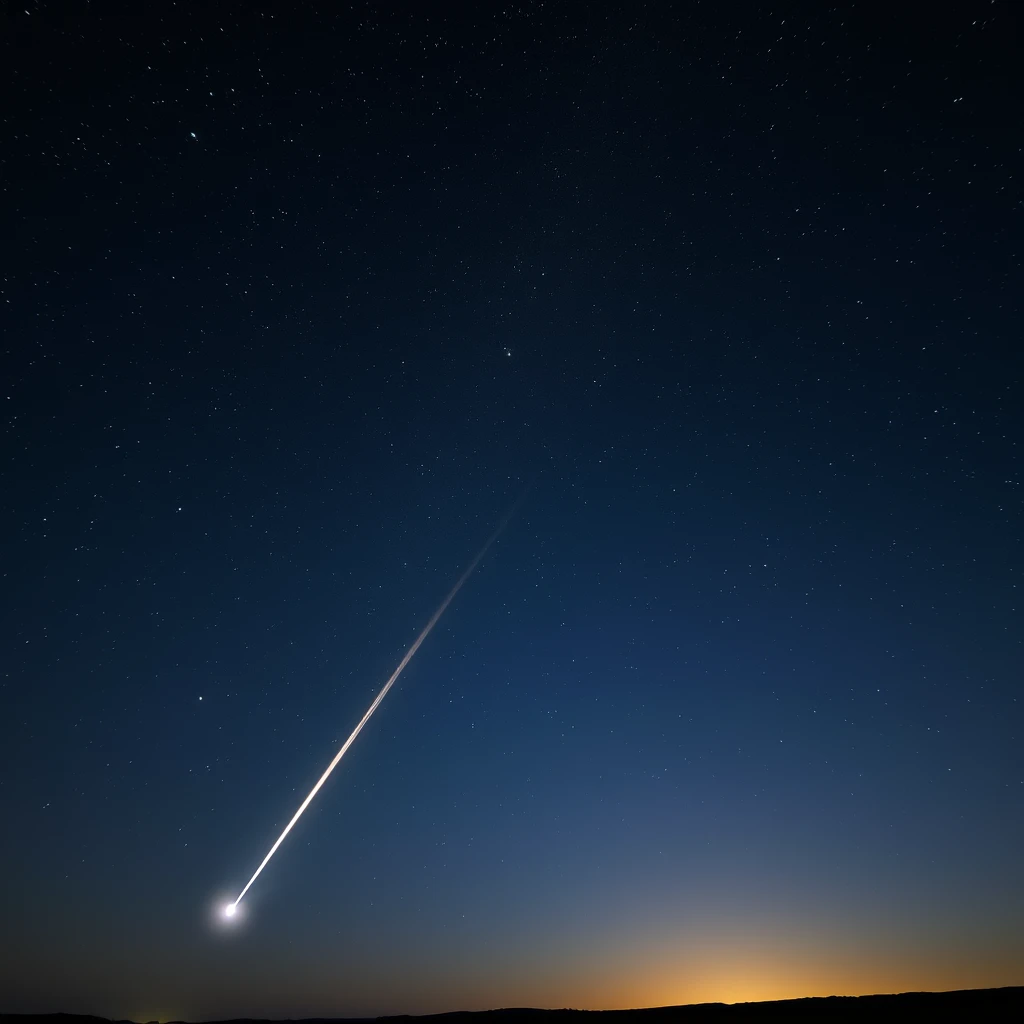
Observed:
{"x":296,"y":301}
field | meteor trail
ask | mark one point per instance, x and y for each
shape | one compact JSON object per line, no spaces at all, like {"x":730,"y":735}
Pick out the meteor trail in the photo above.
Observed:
{"x":230,"y":908}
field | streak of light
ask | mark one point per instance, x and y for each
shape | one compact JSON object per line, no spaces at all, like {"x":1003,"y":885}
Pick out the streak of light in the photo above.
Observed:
{"x":229,"y":910}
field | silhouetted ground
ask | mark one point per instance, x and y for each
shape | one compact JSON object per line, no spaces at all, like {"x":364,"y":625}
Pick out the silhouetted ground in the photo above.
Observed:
{"x":986,"y":1004}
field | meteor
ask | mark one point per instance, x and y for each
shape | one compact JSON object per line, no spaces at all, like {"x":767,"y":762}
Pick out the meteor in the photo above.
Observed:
{"x":230,"y":908}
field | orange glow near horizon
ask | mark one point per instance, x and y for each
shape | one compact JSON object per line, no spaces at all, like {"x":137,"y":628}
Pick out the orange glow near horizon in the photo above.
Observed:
{"x":704,"y":962}
{"x":714,"y":975}
{"x":746,"y":971}
{"x":726,"y":970}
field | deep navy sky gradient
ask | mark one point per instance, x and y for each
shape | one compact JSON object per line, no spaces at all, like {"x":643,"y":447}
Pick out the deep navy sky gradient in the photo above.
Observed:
{"x":297,"y":298}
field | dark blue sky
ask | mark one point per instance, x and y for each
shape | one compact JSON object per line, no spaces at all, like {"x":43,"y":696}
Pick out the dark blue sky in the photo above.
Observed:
{"x":295,"y":303}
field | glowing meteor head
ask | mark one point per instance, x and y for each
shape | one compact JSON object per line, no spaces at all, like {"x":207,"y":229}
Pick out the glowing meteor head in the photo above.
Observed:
{"x":230,"y":909}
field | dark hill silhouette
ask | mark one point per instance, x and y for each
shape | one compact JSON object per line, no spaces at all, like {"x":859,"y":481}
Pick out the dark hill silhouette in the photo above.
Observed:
{"x":988,"y":1004}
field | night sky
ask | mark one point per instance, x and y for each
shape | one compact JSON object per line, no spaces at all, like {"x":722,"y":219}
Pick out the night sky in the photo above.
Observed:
{"x":298,"y":298}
